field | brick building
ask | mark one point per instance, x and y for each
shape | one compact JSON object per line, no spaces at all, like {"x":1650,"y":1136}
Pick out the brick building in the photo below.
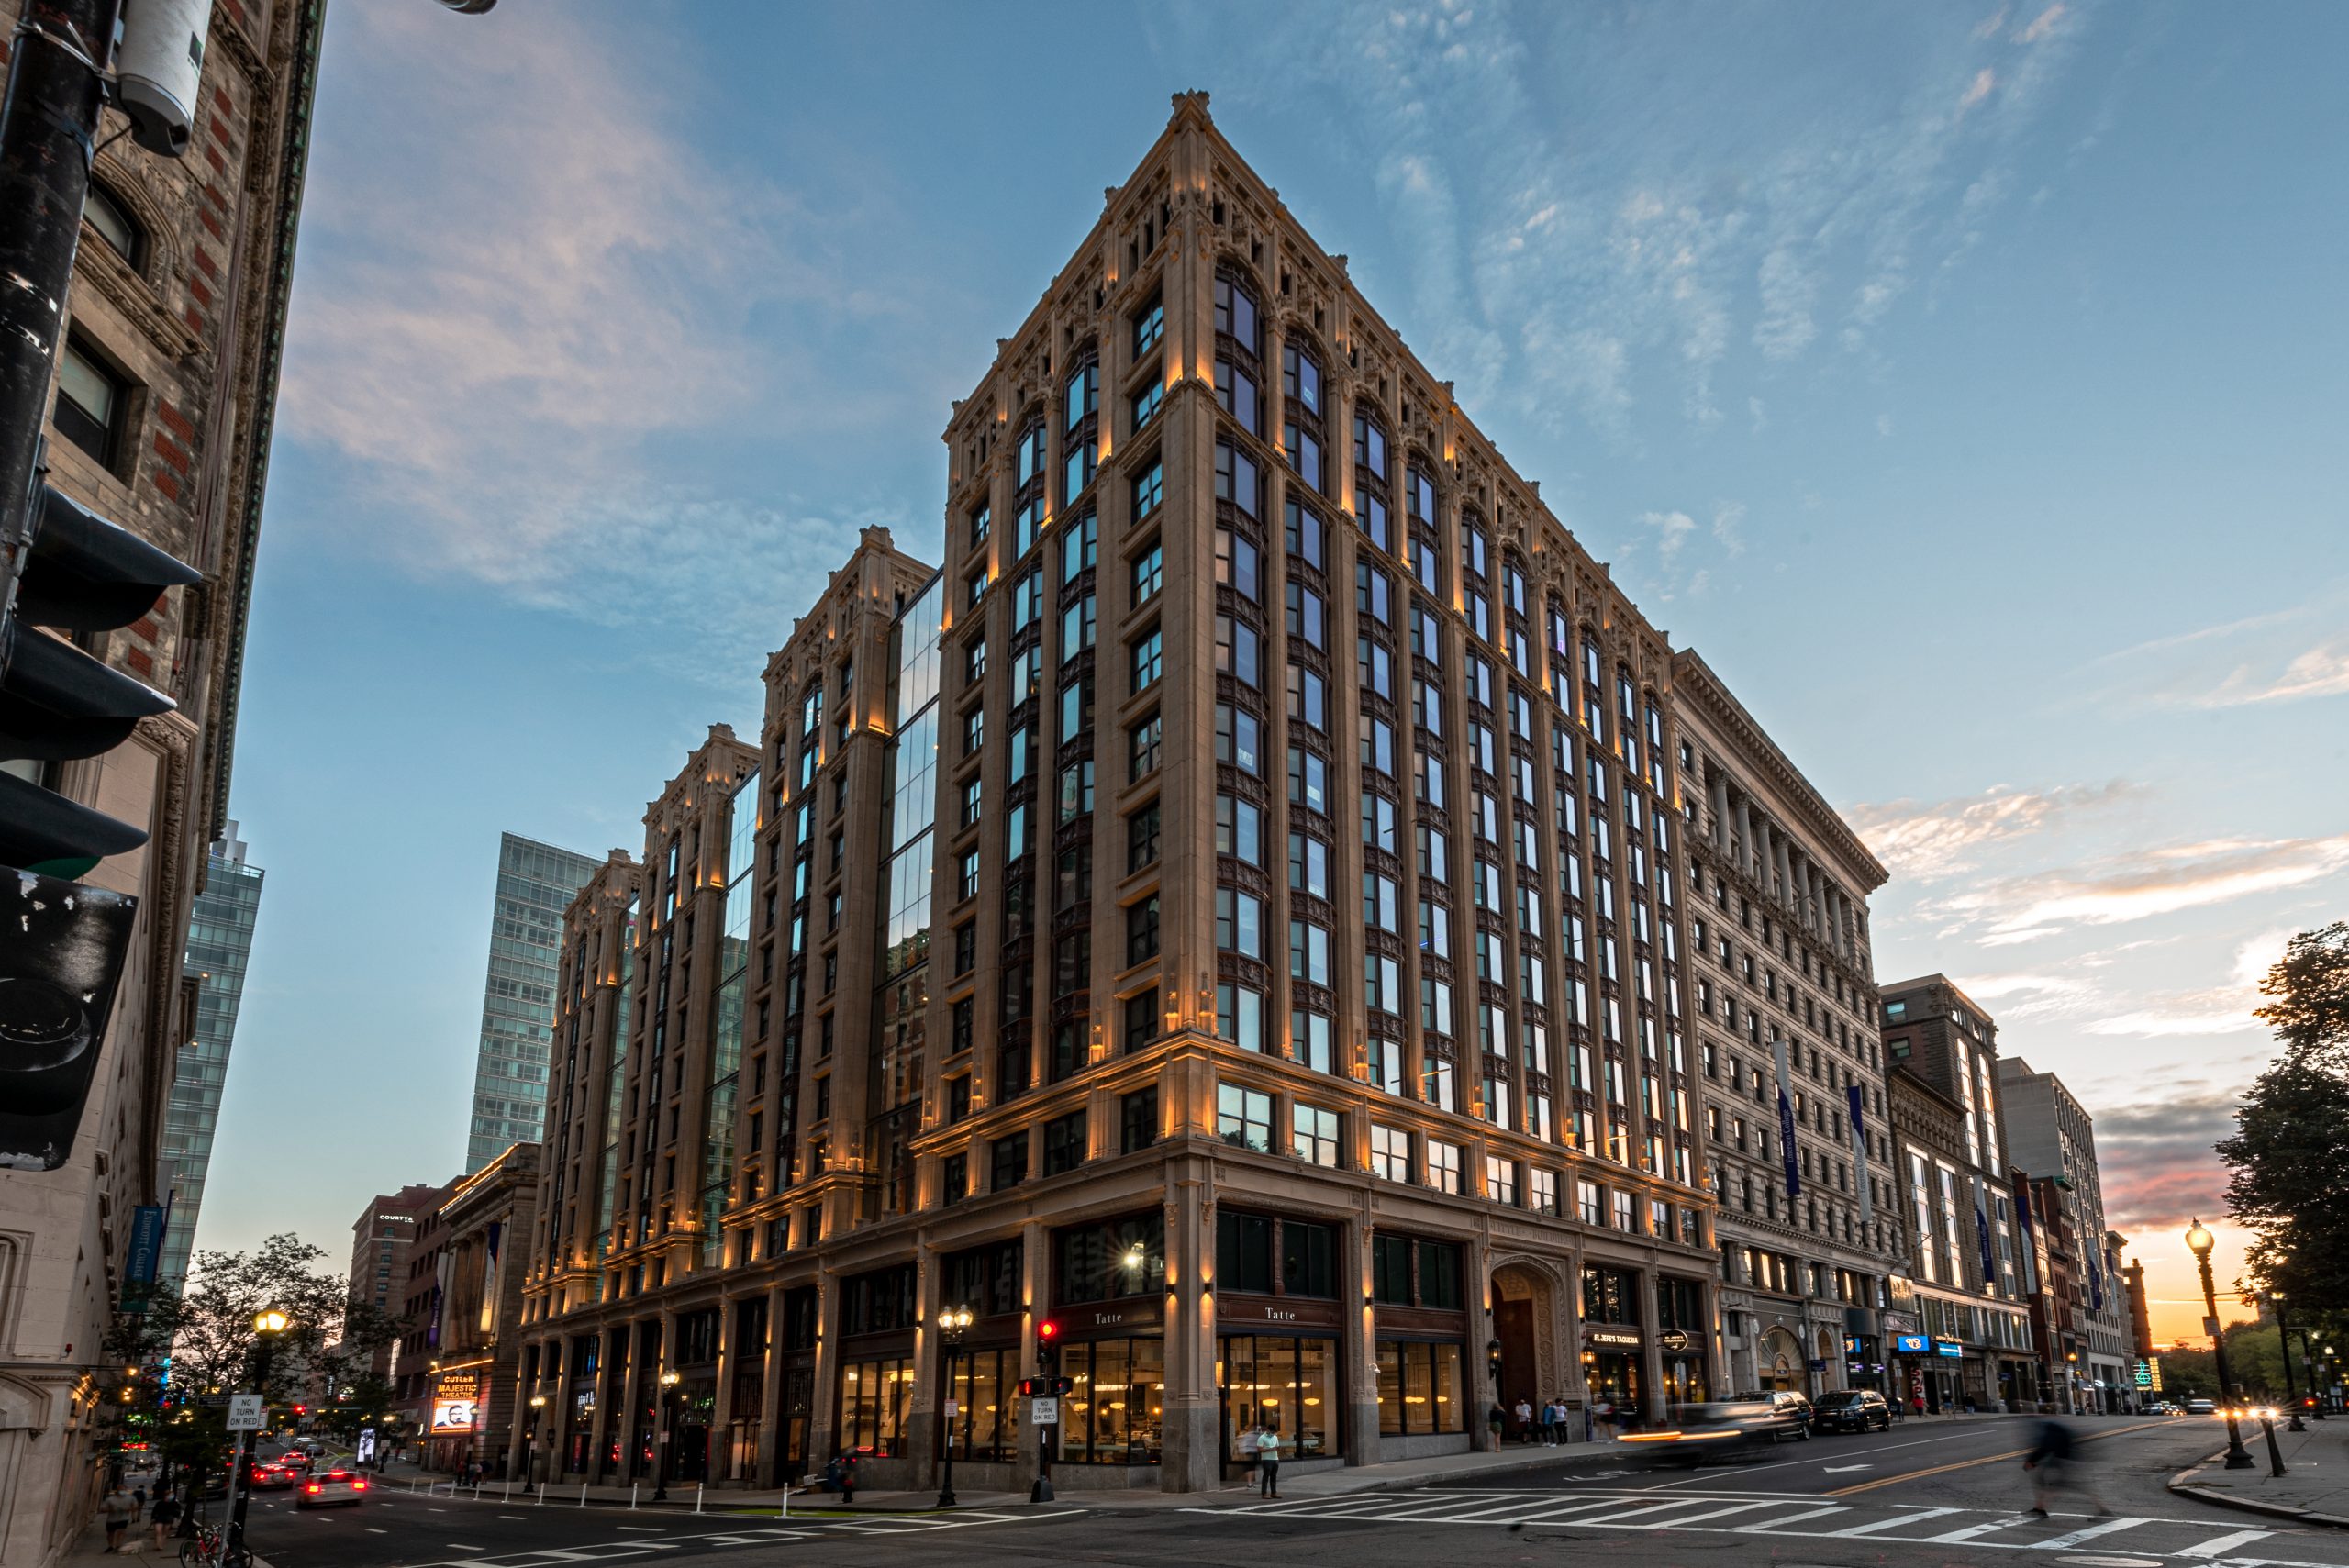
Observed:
{"x":1229,"y":910}
{"x":2051,"y":1135}
{"x":380,"y":1241}
{"x":166,"y":392}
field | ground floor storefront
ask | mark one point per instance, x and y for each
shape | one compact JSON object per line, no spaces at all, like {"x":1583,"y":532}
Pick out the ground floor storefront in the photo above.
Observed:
{"x":1176,"y":1330}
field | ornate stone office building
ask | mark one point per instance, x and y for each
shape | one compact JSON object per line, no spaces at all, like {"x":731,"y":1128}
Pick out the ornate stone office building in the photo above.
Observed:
{"x":1231,"y":911}
{"x":1796,"y":1127}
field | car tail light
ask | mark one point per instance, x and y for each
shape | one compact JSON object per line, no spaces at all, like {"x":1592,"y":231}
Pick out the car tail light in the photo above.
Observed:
{"x":359,"y":1486}
{"x":311,"y":1487}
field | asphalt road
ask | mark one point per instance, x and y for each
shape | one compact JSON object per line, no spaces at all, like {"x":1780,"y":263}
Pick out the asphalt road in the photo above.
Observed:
{"x":1945,"y":1496}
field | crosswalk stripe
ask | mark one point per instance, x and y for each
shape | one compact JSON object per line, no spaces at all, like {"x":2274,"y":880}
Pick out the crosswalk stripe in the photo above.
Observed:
{"x":1919,"y":1517}
{"x":2218,"y":1544}
{"x":1673,"y":1506}
{"x":1725,"y":1513}
{"x":1766,"y":1526}
{"x":1492,"y":1511}
{"x":1970,"y":1531}
{"x":2074,"y":1537}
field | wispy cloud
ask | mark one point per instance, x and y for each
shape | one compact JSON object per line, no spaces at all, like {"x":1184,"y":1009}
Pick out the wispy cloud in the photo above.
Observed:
{"x":2320,"y":672}
{"x":503,"y":347}
{"x":1937,"y":839}
{"x":1613,"y":240}
{"x":2154,"y":1157}
{"x":2136,"y":886}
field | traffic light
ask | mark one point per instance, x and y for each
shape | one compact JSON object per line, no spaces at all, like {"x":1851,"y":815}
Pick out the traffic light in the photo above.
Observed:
{"x":1048,"y":1350}
{"x":77,"y":573}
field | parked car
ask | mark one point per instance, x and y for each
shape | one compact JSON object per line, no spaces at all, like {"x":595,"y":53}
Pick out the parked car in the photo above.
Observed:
{"x":1792,"y":1411}
{"x":2201,"y":1408}
{"x":331,"y":1488}
{"x":1852,"y":1410}
{"x":1721,"y":1433}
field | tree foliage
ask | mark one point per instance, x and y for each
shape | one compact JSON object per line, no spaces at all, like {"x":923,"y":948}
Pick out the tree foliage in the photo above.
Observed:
{"x":2288,"y":1160}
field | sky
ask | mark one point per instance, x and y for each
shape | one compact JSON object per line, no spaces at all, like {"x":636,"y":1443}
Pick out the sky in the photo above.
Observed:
{"x":1966,"y":382}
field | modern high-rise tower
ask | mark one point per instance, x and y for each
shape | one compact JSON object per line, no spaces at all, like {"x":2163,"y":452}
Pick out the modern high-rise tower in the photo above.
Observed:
{"x":535,"y":882}
{"x":220,"y":944}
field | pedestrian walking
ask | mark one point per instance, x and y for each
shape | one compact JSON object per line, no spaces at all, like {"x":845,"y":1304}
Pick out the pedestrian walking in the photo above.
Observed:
{"x":1524,"y":1421}
{"x":163,"y":1515}
{"x":1606,"y":1414}
{"x":118,"y":1509}
{"x":2053,"y":1466}
{"x":1251,"y":1439}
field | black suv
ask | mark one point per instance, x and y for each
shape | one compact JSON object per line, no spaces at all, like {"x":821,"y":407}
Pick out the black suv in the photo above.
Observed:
{"x":1852,"y":1410}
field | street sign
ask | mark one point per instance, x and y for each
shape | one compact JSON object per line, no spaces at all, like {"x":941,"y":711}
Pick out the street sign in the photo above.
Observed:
{"x":1044,"y":1412}
{"x":952,"y":1409}
{"x":244,"y":1412}
{"x":210,"y":1401}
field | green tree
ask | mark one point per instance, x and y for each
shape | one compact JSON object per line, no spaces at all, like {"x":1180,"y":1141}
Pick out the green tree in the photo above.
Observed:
{"x":2288,"y":1160}
{"x":206,"y":1331}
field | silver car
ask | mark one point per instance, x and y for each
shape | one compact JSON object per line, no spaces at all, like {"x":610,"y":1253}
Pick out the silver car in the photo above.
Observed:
{"x":331,"y":1489}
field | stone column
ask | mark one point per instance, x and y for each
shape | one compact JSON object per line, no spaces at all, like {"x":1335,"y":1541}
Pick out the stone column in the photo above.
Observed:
{"x":1652,"y":1406}
{"x":1765,"y":856}
{"x":1192,"y":1452}
{"x":631,"y":1400}
{"x":1744,"y":846}
{"x":721,"y":1415}
{"x":1717,"y":787}
{"x":772,"y":1415}
{"x":1358,"y":1343}
{"x":929,"y":1369}
{"x":1481,"y":1395}
{"x":1788,"y":897}
{"x":824,"y":1400}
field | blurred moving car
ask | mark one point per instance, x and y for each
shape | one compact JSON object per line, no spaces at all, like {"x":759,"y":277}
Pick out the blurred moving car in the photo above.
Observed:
{"x":1719,"y":1432}
{"x":1852,"y":1410}
{"x":331,"y":1488}
{"x":271,"y":1475}
{"x":1793,"y":1409}
{"x":2201,"y":1408}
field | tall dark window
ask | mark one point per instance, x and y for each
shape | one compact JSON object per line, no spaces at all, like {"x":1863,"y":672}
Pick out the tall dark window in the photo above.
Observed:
{"x":1138,"y":1119}
{"x":1064,"y":1143}
{"x":92,"y":402}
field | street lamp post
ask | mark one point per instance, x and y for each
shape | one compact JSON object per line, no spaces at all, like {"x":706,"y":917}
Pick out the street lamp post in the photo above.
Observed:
{"x":1492,"y":1367}
{"x":952,"y":1324}
{"x":2199,"y":1241}
{"x":668,"y":1381}
{"x":531,"y":1448}
{"x":268,"y":1324}
{"x":2283,"y":1343}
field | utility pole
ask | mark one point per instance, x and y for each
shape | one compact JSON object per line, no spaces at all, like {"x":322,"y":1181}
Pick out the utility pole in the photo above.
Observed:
{"x":48,"y":127}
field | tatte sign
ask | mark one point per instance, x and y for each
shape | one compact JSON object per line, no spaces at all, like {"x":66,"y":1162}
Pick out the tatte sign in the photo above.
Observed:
{"x":1043,"y":1412}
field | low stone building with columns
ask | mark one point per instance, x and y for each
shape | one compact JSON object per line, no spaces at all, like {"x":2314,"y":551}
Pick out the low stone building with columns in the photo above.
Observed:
{"x":1083,"y":947}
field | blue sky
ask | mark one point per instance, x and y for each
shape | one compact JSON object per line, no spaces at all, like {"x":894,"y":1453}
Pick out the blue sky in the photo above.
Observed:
{"x":1966,"y":382}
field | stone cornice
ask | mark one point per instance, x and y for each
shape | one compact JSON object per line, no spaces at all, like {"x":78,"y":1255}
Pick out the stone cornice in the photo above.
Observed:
{"x":1694,"y":681}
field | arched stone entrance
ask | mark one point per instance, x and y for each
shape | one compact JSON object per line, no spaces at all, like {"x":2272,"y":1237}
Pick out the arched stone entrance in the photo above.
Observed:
{"x":1830,"y":1357}
{"x":1530,"y":1319}
{"x":1779,"y":1359}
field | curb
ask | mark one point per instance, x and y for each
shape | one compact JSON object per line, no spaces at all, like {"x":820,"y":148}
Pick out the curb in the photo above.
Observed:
{"x":2183,"y":1483}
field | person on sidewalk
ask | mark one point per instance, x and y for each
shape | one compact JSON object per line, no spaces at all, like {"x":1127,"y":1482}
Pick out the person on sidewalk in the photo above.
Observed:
{"x":1497,"y":1419}
{"x":1268,"y":1458}
{"x":1606,"y":1413}
{"x":2053,"y":1465}
{"x":163,"y":1515}
{"x":118,"y":1508}
{"x":1524,"y":1421}
{"x":1250,"y":1438}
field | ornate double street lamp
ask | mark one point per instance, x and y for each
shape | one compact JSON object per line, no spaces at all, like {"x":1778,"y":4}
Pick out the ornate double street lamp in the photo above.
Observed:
{"x":2198,"y":1241}
{"x":952,"y":1323}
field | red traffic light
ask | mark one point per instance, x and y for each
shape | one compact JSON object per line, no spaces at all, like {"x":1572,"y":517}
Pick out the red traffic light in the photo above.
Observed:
{"x":1048,"y":1330}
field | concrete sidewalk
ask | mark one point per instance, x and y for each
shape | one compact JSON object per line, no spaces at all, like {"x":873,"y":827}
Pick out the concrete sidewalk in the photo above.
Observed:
{"x":90,"y":1551}
{"x":2314,"y":1487}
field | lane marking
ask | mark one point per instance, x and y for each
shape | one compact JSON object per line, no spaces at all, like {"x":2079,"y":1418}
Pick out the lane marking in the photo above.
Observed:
{"x":1989,"y":1459}
{"x":2218,"y":1544}
{"x":1917,"y":1518}
{"x":2075,"y":1537}
{"x":1791,"y":1463}
{"x":1766,"y":1526}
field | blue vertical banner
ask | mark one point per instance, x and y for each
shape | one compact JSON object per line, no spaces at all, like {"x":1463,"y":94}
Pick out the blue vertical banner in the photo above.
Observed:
{"x":1786,"y":1119}
{"x":1982,"y":1237}
{"x":1856,"y":1099}
{"x":2096,"y":1286}
{"x":2022,"y":1185}
{"x":146,"y":1243}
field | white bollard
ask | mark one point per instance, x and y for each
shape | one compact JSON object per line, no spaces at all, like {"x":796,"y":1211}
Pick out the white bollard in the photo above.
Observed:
{"x":542,"y":1495}
{"x":582,"y":1494}
{"x":698,"y":1488}
{"x":632,"y":1495}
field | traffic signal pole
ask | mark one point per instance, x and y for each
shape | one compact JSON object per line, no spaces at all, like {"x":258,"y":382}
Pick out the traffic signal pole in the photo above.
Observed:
{"x":49,"y":125}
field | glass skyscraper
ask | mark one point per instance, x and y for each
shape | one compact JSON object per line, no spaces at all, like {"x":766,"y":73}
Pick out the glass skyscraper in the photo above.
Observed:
{"x":535,"y":882}
{"x":220,"y":944}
